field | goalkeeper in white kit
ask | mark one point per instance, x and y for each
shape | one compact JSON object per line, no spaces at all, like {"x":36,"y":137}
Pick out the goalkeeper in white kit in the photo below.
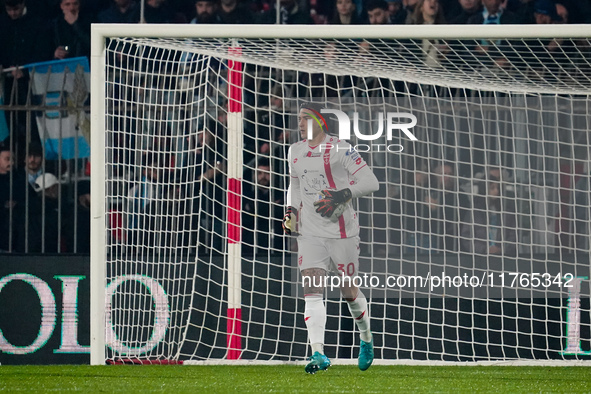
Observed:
{"x":325,"y":175}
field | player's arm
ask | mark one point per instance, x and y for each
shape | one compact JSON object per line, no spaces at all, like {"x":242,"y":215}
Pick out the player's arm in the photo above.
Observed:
{"x":331,"y":199}
{"x":366,"y":183}
{"x":293,"y":200}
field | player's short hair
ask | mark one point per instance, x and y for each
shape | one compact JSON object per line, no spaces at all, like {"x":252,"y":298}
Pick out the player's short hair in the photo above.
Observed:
{"x":311,"y":105}
{"x":317,"y":107}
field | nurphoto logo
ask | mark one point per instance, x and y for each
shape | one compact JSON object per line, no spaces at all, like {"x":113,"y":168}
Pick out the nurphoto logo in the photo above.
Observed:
{"x":393,"y":121}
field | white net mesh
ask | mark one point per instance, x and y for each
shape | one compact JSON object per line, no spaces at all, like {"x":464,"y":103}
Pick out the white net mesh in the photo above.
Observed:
{"x":512,"y":113}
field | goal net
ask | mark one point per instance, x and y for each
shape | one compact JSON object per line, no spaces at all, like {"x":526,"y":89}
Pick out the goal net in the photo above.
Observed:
{"x":475,"y":248}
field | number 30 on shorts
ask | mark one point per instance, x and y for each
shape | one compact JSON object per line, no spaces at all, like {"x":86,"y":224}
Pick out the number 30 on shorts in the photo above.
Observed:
{"x":349,"y":270}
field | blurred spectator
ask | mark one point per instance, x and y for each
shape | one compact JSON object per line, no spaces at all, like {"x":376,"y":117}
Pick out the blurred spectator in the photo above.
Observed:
{"x":431,"y":209}
{"x":211,"y":150}
{"x":93,"y":7}
{"x":414,"y":192}
{"x":493,"y":13}
{"x":522,"y":9}
{"x":428,"y":12}
{"x":169,"y":225}
{"x":409,"y":5}
{"x":471,"y":187}
{"x":547,"y":50}
{"x":497,"y":54}
{"x":71,"y":32}
{"x":206,"y":12}
{"x":80,"y":242}
{"x":260,"y":6}
{"x":145,"y":192}
{"x":469,"y":8}
{"x":120,"y":11}
{"x":207,"y":162}
{"x":545,"y":12}
{"x":158,"y":11}
{"x":443,"y":208}
{"x":12,"y":201}
{"x":234,"y":12}
{"x":51,"y":223}
{"x":490,"y":227}
{"x":450,"y":8}
{"x":34,"y":162}
{"x":345,"y":13}
{"x":458,"y":53}
{"x":570,"y":173}
{"x":574,"y":11}
{"x":23,"y":38}
{"x":378,"y":12}
{"x":46,"y":10}
{"x":290,"y":13}
{"x":562,"y":12}
{"x":530,"y":11}
{"x":582,"y":201}
{"x":398,"y":13}
{"x":262,"y":211}
{"x":272,"y":133}
{"x":7,"y":198}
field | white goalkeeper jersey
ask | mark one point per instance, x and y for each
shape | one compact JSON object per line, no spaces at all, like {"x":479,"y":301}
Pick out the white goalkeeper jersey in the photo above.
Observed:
{"x":333,"y":165}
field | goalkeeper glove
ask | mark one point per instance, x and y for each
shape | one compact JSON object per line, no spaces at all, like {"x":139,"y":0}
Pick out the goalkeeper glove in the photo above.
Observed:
{"x":330,"y":200}
{"x":290,"y":221}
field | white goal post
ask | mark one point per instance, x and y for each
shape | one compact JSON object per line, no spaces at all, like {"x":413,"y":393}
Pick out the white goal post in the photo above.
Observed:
{"x":190,"y":125}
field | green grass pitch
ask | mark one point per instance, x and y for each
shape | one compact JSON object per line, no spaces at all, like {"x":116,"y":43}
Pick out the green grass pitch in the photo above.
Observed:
{"x":290,"y":378}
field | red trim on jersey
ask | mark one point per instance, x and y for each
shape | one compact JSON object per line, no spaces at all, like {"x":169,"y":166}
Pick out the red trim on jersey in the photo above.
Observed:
{"x":342,"y":227}
{"x":332,"y":185}
{"x":360,"y":316}
{"x":359,"y":169}
{"x":327,"y":168}
{"x":306,"y":318}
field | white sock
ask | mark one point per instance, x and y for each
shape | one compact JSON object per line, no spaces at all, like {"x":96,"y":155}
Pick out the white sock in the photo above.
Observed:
{"x":359,"y":311}
{"x":315,"y":318}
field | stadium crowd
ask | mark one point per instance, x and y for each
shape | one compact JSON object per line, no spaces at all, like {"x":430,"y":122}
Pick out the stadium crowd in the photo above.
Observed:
{"x":37,"y":30}
{"x":42,"y":210}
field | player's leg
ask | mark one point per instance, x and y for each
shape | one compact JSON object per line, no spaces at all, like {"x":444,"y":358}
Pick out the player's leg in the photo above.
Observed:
{"x":313,"y":261}
{"x":359,"y":311}
{"x":315,"y":311}
{"x":345,"y":255}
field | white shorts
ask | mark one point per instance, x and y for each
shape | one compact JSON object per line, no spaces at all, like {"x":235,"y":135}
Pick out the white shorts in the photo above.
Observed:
{"x":339,"y":255}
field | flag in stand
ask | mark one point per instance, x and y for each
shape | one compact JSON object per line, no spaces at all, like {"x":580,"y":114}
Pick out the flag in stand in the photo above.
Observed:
{"x":64,"y":84}
{"x":4,"y":133}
